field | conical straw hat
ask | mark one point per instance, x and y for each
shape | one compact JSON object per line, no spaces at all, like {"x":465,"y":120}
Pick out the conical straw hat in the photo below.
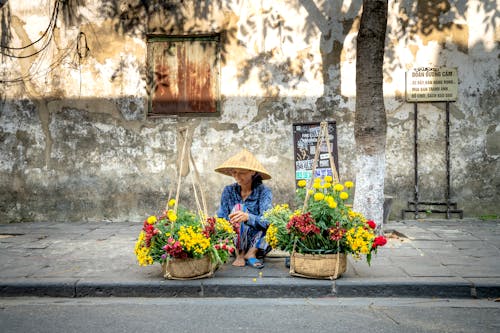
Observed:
{"x":243,"y":160}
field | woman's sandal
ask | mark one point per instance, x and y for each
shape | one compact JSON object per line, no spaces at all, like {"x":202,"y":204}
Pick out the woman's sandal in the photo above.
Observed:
{"x":255,"y":263}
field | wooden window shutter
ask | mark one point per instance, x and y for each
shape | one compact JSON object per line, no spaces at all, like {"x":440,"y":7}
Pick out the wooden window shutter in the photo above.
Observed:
{"x":184,"y":74}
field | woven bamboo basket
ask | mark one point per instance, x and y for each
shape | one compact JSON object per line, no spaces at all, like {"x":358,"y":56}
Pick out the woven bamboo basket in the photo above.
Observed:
{"x":188,"y":269}
{"x":318,"y":266}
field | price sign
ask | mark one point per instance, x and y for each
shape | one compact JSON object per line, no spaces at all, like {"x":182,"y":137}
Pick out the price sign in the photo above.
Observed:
{"x":305,"y":140}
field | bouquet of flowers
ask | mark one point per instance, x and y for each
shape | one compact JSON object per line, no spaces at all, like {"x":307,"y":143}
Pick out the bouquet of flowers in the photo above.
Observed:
{"x":183,"y":234}
{"x":327,"y":225}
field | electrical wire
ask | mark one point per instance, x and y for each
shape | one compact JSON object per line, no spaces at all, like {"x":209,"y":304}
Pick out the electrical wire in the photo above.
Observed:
{"x":54,"y":15}
{"x":35,"y":70}
{"x":80,"y":45}
{"x":52,"y":25}
{"x":49,"y":69}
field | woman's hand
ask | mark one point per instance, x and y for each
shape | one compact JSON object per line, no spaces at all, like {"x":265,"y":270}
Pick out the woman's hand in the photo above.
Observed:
{"x":238,"y":217}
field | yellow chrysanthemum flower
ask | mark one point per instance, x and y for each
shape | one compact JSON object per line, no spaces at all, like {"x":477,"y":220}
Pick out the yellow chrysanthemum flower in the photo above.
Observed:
{"x":171,"y":203}
{"x":151,"y":219}
{"x":343,"y":195}
{"x":223,"y":225}
{"x":359,"y":240}
{"x":276,"y":210}
{"x":171,"y":215}
{"x":338,"y":187}
{"x":330,"y":201}
{"x":143,"y":257}
{"x":327,"y":185}
{"x":193,"y":241}
{"x":317,"y":185}
{"x":349,"y":184}
{"x":142,"y":252}
{"x":328,"y":179}
{"x":302,"y":183}
{"x":271,"y":238}
{"x":317,"y":180}
{"x":353,"y":215}
{"x":319,"y":196}
{"x":280,"y":208}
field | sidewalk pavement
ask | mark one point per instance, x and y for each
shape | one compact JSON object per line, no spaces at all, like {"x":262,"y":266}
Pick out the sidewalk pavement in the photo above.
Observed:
{"x":423,"y":258}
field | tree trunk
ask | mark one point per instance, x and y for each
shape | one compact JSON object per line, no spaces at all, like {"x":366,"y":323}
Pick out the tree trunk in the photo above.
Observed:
{"x":370,"y":126}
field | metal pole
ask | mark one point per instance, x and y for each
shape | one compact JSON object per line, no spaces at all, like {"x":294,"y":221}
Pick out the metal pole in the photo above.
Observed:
{"x":447,"y":160}
{"x":415,"y":155}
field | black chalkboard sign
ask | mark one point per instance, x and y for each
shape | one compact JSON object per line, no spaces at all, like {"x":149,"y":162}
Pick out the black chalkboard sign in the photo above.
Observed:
{"x":305,"y":140}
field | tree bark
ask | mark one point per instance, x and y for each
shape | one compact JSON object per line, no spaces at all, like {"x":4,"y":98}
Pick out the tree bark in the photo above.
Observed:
{"x":370,"y":125}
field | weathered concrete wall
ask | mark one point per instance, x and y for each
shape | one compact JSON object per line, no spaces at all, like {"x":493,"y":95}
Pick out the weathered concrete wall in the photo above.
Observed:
{"x":76,"y":143}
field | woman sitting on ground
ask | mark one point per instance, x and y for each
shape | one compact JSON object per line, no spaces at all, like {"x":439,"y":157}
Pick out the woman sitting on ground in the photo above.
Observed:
{"x":243,"y":203}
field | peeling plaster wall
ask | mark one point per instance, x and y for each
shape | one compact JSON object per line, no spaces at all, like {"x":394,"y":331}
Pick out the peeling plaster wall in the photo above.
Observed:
{"x":76,"y":143}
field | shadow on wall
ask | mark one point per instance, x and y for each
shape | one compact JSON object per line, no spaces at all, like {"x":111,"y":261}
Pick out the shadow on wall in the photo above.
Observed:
{"x":98,"y":155}
{"x":86,"y":160}
{"x":101,"y":159}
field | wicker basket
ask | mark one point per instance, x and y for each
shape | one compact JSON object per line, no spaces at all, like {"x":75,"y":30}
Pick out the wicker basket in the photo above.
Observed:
{"x":318,"y":266}
{"x":188,"y":269}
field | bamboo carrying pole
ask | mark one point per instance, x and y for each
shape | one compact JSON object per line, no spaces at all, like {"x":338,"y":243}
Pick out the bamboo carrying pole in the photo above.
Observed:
{"x":189,"y":265}
{"x":202,"y":208}
{"x":323,"y":136}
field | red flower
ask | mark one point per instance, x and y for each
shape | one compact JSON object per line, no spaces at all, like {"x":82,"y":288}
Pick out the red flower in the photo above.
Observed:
{"x":209,"y":228}
{"x":303,"y":224}
{"x":174,"y":249}
{"x":150,"y":231}
{"x":379,"y":241}
{"x":371,"y":224}
{"x":336,"y":233}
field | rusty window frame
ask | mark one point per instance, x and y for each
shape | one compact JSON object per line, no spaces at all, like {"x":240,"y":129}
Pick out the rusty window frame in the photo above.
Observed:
{"x":152,"y":75}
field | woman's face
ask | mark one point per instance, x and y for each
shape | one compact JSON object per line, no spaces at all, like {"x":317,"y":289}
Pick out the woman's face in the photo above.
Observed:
{"x":243,"y":177}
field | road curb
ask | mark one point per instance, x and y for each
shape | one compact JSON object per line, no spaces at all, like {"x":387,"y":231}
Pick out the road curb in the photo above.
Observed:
{"x":487,"y":290}
{"x":248,"y":288}
{"x":96,"y":288}
{"x":347,"y":288}
{"x":268,"y":288}
{"x":39,"y":288}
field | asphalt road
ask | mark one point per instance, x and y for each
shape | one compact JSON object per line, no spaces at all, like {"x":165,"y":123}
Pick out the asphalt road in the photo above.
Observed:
{"x":248,"y":315}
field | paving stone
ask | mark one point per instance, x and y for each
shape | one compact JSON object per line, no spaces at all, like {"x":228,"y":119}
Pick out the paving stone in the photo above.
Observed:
{"x":440,"y":258}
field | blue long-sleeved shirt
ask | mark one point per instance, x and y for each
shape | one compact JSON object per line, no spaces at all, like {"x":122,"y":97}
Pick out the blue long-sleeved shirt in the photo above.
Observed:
{"x":256,"y":204}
